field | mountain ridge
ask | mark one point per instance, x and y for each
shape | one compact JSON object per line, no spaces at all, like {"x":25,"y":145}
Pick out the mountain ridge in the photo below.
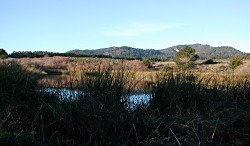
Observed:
{"x":203,"y":50}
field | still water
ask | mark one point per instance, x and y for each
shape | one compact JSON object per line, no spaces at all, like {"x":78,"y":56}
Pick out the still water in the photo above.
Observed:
{"x":135,"y":99}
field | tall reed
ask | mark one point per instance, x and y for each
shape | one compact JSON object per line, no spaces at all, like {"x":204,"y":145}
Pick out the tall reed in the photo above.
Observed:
{"x":203,"y":109}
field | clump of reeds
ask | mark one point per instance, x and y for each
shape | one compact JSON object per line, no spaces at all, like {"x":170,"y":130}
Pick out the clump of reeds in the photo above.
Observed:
{"x":19,"y":98}
{"x":17,"y":84}
{"x":203,"y":109}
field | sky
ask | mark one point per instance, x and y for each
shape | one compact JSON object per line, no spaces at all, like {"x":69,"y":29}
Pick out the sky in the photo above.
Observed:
{"x":63,"y":25}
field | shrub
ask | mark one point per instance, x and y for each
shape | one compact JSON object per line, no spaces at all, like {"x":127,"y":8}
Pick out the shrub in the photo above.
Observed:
{"x":148,"y":63}
{"x":235,"y":62}
{"x":3,"y":54}
{"x":186,"y":57}
{"x":209,"y":61}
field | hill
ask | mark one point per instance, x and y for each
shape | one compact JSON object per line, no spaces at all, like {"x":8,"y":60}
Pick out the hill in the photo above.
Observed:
{"x":123,"y":51}
{"x":204,"y":51}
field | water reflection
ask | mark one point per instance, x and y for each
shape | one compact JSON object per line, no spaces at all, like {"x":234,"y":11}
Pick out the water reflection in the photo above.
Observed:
{"x":66,"y":94}
{"x":138,"y":99}
{"x":65,"y":88}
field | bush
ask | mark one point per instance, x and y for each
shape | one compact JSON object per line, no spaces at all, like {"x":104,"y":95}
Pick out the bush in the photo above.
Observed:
{"x":148,"y":63}
{"x":3,"y":54}
{"x":235,"y":62}
{"x":185,"y":58}
{"x":209,"y":61}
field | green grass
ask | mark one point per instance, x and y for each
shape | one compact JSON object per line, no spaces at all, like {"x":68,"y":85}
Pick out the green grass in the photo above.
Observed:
{"x":186,"y":108}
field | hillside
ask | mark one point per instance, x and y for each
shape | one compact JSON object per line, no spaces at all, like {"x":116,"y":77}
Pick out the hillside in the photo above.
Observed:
{"x":123,"y":51}
{"x":204,"y":51}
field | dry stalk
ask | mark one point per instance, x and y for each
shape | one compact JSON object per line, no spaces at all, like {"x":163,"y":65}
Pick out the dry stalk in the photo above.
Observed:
{"x":175,"y":136}
{"x":212,"y":137}
{"x":133,"y":128}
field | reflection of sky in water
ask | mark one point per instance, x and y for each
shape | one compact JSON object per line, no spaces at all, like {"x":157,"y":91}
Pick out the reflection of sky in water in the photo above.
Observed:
{"x":63,"y":93}
{"x":138,"y":99}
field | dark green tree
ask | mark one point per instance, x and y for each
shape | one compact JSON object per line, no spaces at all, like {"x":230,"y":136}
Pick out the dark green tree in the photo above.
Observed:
{"x":3,"y":54}
{"x":186,"y":57}
{"x":235,"y":61}
{"x":148,"y":63}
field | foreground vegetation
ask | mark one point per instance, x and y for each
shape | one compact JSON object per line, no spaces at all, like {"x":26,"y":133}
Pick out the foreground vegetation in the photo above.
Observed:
{"x":186,"y":108}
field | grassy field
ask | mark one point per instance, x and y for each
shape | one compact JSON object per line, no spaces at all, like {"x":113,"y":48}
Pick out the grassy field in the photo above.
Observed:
{"x":187,"y":107}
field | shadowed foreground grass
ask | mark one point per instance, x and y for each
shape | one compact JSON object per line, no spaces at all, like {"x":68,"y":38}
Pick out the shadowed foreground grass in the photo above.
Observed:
{"x":186,"y":108}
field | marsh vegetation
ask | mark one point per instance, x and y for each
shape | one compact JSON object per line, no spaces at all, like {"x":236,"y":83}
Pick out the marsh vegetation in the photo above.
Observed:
{"x":185,"y":107}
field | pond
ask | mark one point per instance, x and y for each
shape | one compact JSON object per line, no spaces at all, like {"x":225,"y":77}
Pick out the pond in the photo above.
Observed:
{"x":135,"y":99}
{"x":59,"y":85}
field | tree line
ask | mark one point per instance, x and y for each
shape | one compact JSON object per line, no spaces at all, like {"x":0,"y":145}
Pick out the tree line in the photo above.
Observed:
{"x":39,"y":54}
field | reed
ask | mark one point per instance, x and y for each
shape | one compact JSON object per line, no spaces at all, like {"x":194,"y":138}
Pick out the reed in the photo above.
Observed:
{"x":203,"y":109}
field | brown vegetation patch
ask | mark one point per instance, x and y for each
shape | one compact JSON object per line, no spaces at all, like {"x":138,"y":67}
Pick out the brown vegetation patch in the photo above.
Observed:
{"x":244,"y":68}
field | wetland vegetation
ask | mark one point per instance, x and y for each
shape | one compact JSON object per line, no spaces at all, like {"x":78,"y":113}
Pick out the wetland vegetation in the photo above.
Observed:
{"x":187,"y":107}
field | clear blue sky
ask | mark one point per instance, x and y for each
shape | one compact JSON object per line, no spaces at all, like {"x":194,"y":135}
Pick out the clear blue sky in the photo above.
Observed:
{"x":63,"y":25}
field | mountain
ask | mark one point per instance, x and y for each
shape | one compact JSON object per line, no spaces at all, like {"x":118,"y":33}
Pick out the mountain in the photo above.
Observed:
{"x":123,"y":51}
{"x":204,"y":51}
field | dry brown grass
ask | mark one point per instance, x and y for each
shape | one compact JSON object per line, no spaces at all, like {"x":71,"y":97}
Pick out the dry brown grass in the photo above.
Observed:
{"x":244,"y":68}
{"x":220,"y":66}
{"x":61,"y":64}
{"x":69,"y":64}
